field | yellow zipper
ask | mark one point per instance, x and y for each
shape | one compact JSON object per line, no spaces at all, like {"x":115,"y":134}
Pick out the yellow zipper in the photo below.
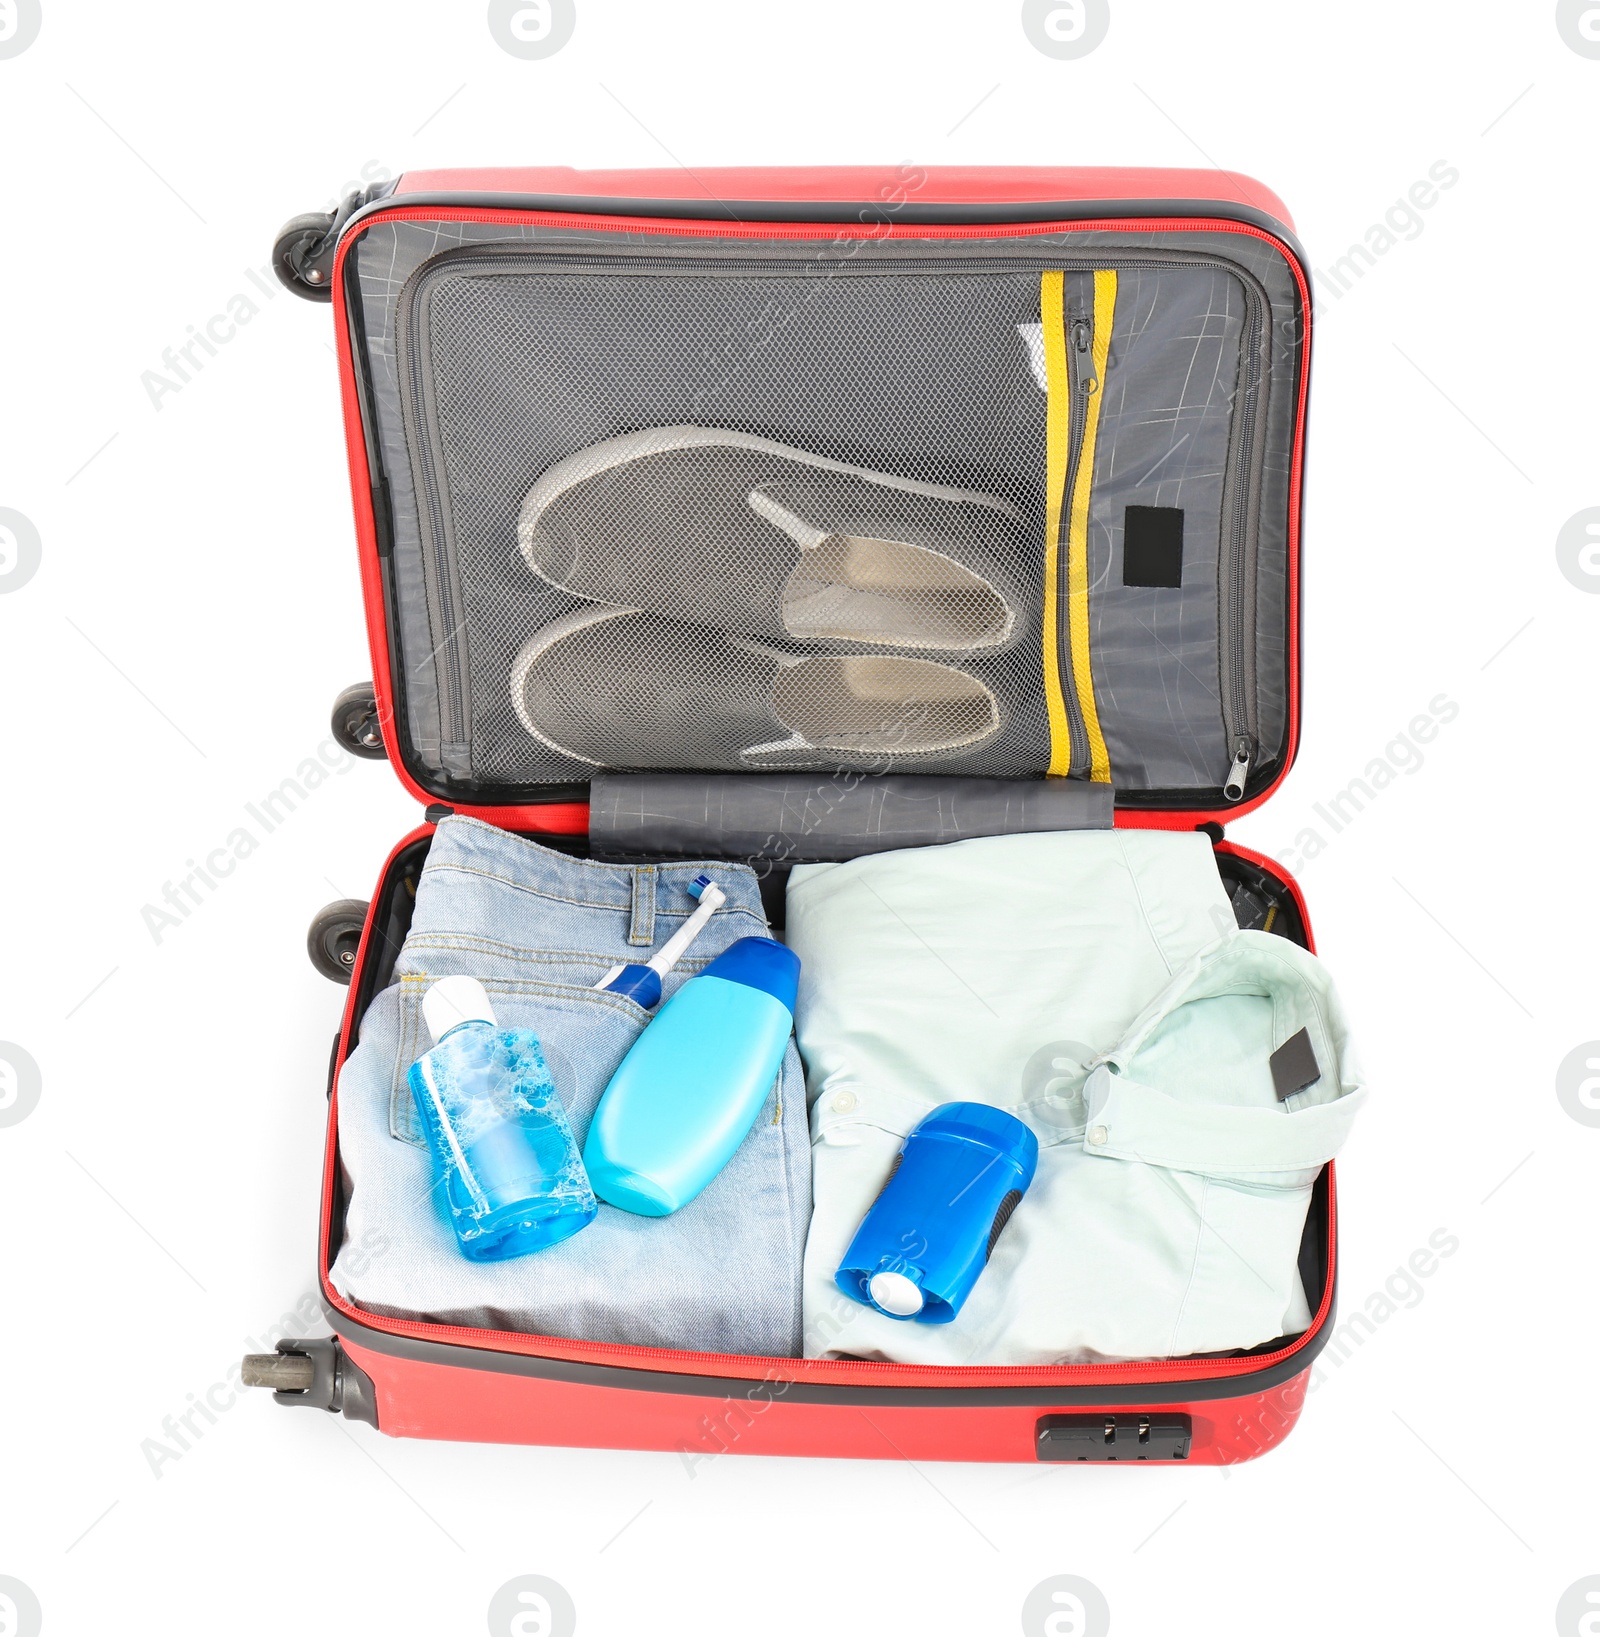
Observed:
{"x":1059,"y":463}
{"x":1105,"y":306}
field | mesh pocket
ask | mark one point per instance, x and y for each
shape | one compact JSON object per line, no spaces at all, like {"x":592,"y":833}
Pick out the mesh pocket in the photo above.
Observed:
{"x":799,"y":479}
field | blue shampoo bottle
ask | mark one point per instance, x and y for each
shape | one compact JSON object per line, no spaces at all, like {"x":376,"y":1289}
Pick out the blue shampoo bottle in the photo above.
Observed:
{"x":930,"y":1232}
{"x":692,"y":1084}
{"x":502,"y":1147}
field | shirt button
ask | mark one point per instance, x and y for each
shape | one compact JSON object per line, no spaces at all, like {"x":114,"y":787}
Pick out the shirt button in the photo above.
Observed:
{"x":1098,"y":1135}
{"x":844,"y":1102}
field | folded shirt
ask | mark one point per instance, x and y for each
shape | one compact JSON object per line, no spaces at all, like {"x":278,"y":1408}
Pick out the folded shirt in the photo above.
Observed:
{"x":1096,"y":986}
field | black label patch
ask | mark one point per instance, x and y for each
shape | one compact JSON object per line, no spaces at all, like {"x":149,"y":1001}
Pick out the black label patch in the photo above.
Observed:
{"x":1294,"y":1066}
{"x":1152,"y":546}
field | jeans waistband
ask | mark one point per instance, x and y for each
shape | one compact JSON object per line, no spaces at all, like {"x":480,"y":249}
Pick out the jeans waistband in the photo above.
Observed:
{"x":637,"y":891}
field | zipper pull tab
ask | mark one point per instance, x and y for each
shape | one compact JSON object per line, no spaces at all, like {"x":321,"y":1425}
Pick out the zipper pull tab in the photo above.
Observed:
{"x":1083,"y":349}
{"x":1240,"y":771}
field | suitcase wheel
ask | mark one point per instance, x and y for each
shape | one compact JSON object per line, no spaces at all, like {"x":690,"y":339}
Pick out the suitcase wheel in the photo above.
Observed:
{"x":294,"y":257}
{"x":302,"y":253}
{"x":334,"y":938}
{"x":355,"y":722}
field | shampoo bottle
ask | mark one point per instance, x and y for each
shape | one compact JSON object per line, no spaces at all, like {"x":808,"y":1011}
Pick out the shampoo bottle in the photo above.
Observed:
{"x":687,"y":1093}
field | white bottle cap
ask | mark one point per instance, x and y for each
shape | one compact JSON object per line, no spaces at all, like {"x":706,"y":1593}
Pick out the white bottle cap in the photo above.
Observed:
{"x":453,"y":1001}
{"x":895,"y":1294}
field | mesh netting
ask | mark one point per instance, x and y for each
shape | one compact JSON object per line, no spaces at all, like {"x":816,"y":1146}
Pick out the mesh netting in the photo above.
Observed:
{"x":822,"y":494}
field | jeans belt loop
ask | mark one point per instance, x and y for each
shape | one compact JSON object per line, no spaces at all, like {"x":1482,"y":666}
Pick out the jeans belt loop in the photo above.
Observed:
{"x":642,"y":929}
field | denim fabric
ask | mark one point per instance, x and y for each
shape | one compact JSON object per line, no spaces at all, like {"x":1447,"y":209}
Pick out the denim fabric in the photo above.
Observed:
{"x":539,"y":929}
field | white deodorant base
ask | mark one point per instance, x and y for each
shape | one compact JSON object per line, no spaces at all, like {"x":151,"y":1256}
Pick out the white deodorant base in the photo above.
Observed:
{"x":895,"y":1294}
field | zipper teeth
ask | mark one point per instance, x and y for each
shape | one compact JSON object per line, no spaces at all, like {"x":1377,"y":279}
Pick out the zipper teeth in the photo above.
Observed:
{"x":1237,"y":721}
{"x":489,"y":255}
{"x":417,"y":207}
{"x":1062,"y":1374}
{"x":1077,"y":420}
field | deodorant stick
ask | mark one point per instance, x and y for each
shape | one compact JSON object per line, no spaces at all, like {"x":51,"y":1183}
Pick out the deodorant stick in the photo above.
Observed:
{"x":931,"y":1230}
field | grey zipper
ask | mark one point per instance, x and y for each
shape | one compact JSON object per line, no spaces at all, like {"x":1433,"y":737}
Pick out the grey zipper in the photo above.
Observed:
{"x":1241,"y":481}
{"x":1236,"y":609}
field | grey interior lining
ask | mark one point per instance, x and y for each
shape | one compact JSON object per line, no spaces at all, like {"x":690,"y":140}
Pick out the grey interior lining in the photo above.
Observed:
{"x":974,"y":423}
{"x":1165,"y":424}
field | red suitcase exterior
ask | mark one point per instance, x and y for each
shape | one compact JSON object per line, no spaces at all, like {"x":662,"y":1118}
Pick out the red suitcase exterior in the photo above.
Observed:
{"x":413,"y":1379}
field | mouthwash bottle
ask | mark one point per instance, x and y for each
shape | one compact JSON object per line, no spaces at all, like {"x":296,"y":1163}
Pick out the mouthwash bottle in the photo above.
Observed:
{"x":513,"y":1178}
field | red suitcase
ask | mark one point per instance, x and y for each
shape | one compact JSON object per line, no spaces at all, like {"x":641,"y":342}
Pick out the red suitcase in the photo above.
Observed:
{"x":433,"y":1381}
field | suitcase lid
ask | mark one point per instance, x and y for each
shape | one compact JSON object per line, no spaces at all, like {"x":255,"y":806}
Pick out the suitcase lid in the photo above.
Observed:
{"x":950,"y":471}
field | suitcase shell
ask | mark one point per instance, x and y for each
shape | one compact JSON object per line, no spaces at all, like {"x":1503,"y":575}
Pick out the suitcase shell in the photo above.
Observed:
{"x":414,"y":1379}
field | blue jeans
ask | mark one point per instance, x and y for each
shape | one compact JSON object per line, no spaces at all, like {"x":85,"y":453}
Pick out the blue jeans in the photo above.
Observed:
{"x":539,"y":929}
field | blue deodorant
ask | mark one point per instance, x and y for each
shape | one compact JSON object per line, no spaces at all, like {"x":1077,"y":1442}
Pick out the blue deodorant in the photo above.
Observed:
{"x":512,"y":1177}
{"x":692,"y":1084}
{"x":930,"y":1232}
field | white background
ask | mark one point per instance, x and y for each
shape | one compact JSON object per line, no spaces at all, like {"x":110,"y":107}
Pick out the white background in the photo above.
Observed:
{"x":197,"y":608}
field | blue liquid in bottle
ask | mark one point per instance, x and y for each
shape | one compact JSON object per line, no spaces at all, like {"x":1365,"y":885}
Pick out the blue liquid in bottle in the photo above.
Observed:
{"x":513,"y":1179}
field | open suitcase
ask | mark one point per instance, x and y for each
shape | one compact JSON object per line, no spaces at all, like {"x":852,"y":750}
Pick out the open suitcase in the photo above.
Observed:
{"x":1122,"y":353}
